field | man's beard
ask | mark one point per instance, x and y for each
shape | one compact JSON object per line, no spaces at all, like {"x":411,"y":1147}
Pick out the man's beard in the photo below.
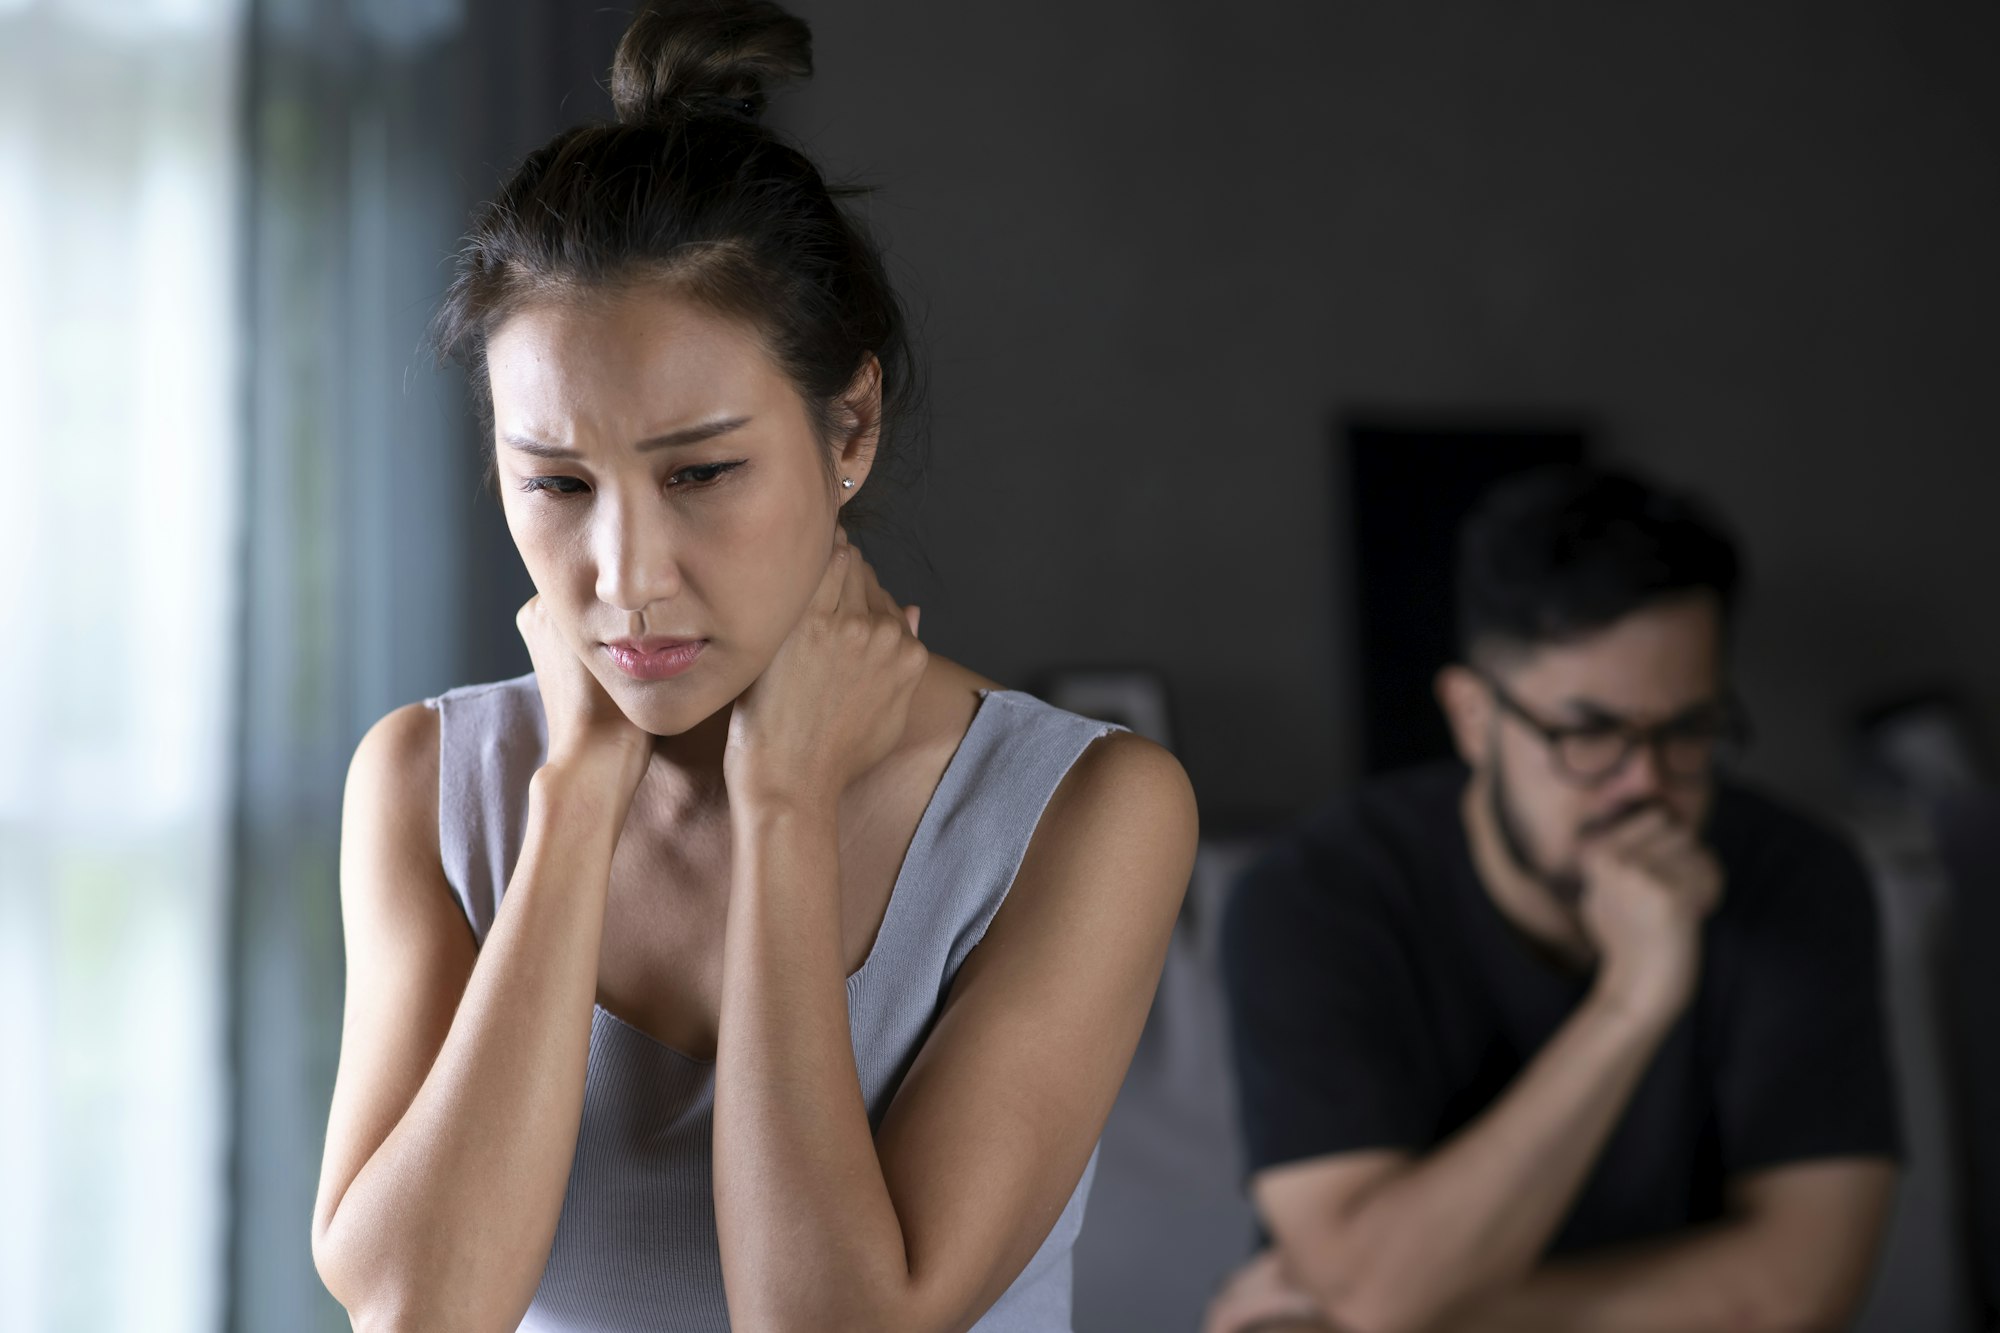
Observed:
{"x":1565,"y":885}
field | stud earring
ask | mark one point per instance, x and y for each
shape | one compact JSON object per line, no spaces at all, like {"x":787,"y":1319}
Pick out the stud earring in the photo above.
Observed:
{"x":847,"y":483}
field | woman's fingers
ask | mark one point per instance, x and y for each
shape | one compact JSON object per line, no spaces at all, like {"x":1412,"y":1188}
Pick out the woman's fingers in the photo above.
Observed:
{"x":854,"y":590}
{"x":833,"y":578}
{"x":532,"y":623}
{"x":865,"y":595}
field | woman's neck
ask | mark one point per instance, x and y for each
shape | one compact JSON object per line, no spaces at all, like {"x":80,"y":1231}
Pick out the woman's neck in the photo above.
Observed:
{"x":684,"y":777}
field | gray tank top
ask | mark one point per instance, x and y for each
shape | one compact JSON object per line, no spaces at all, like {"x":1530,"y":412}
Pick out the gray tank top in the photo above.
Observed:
{"x":635,"y":1247}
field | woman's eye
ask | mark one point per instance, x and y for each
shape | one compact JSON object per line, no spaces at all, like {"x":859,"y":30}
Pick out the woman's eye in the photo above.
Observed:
{"x":701,"y":474}
{"x":554,"y":485}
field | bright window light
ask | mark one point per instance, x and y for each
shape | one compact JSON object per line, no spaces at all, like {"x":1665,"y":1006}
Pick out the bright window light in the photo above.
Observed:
{"x":118,"y":376}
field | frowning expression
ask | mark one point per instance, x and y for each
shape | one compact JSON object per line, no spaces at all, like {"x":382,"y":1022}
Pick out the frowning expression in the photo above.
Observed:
{"x":667,"y":489}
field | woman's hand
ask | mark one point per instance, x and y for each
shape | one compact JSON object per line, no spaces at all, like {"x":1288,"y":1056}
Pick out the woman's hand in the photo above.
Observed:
{"x":588,"y":732}
{"x":835,"y":698}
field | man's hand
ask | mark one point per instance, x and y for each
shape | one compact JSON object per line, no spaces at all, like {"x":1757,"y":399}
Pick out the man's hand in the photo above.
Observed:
{"x":1260,"y":1297}
{"x":1649,"y":883}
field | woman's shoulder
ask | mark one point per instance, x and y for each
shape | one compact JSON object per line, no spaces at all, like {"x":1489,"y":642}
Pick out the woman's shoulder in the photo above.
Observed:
{"x":1126,"y":780}
{"x":1113,"y":767}
{"x":389,"y":808}
{"x":400,"y":758}
{"x":1119,"y":792}
{"x":1115,"y":842}
{"x":398,"y":755}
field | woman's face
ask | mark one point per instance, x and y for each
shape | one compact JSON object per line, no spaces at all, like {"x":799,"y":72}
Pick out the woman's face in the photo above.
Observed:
{"x":667,"y":491}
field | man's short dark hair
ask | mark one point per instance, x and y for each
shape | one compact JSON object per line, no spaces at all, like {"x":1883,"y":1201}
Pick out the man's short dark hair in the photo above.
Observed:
{"x":1555,"y":554}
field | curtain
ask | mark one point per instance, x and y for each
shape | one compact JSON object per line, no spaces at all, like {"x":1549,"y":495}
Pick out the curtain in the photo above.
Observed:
{"x":119,"y":197}
{"x":357,"y":487}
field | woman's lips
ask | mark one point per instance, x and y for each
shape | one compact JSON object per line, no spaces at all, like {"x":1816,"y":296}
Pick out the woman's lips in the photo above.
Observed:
{"x":643,"y":661}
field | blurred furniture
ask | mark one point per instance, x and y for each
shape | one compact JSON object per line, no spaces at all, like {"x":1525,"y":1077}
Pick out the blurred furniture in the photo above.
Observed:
{"x":1922,"y":1284}
{"x":1968,"y":835}
{"x":1168,"y":1219}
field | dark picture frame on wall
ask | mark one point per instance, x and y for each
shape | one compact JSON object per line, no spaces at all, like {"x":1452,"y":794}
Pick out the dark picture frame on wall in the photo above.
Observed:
{"x":1411,"y":480}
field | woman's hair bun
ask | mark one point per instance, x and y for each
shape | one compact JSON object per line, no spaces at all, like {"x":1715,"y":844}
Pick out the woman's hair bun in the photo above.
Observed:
{"x":686,"y":58}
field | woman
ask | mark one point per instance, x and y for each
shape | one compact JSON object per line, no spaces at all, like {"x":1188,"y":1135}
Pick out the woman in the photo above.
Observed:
{"x":803,"y":966}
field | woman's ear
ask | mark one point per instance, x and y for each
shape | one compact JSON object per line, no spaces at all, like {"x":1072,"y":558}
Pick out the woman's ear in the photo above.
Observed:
{"x":1467,"y":702}
{"x":860,"y":428}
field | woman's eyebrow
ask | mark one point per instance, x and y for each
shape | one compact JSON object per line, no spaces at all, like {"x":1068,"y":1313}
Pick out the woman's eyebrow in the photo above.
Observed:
{"x":691,"y":434}
{"x":707,"y":430}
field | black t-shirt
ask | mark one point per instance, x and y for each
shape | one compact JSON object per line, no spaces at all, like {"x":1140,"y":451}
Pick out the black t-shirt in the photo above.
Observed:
{"x":1379,"y":999}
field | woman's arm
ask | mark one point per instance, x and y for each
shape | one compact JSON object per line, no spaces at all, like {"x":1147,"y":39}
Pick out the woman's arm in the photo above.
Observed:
{"x":823,"y":1225}
{"x":461,"y":1072}
{"x":460,"y":1089}
{"x":827,"y":1227}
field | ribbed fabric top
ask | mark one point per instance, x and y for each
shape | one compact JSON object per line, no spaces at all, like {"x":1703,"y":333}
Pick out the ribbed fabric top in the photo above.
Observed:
{"x":635,"y":1247}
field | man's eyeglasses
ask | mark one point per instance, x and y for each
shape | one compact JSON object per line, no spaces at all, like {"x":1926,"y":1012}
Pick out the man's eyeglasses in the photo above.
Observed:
{"x":1684,"y":747}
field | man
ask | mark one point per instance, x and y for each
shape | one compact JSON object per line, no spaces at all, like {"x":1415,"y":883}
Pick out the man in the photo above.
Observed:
{"x":1572,"y":1035}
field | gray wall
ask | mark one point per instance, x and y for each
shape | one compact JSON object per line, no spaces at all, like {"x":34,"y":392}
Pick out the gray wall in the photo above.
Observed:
{"x":1160,"y":247}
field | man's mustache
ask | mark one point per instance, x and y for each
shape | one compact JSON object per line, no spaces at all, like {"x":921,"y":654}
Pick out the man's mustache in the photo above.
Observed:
{"x":1599,"y":825}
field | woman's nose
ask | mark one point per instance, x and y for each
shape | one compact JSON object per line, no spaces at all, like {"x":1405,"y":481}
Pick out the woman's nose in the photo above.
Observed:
{"x":634,"y":549}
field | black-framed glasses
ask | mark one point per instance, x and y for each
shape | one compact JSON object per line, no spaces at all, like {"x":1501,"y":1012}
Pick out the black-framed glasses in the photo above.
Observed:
{"x":1684,"y":747}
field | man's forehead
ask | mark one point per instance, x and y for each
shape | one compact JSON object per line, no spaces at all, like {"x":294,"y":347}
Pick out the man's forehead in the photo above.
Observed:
{"x":1658,"y":661}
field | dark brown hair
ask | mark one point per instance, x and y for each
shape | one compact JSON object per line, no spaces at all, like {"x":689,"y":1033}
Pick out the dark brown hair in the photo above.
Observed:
{"x":690,"y":187}
{"x":1559,"y":553}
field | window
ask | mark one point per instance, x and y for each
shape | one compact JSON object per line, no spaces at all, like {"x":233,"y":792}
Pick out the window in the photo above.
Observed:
{"x":118,"y":533}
